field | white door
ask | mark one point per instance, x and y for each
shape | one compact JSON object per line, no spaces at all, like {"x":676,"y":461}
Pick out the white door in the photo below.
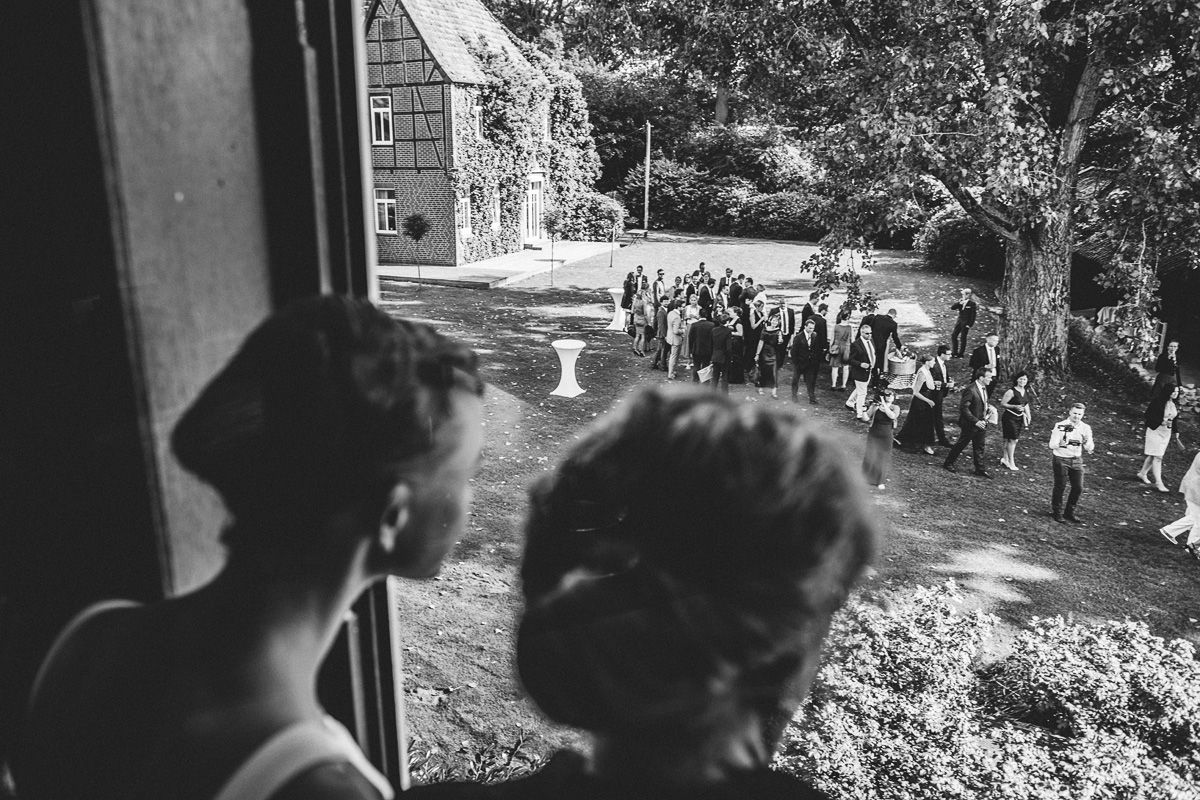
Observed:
{"x":534,"y":206}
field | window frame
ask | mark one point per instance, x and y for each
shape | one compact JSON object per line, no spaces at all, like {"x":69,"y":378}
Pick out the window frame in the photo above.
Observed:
{"x":382,"y":117}
{"x":464,"y":215}
{"x":382,"y":204}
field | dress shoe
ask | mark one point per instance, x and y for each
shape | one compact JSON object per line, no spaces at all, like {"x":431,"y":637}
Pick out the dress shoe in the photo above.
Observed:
{"x":949,"y":467}
{"x":1191,"y":548}
{"x":982,"y":473}
{"x":1057,"y":516}
{"x":1144,"y":478}
{"x":1070,"y":517}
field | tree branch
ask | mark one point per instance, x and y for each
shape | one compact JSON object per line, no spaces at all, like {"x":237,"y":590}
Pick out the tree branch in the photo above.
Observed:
{"x":1079,"y":118}
{"x":991,"y":219}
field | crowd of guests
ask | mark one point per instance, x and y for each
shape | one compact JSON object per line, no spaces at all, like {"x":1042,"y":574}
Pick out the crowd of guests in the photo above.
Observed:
{"x":342,"y":443}
{"x":728,"y":332}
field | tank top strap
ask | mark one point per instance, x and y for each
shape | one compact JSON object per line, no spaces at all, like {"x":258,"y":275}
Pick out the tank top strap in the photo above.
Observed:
{"x":73,"y":627}
{"x":293,"y":750}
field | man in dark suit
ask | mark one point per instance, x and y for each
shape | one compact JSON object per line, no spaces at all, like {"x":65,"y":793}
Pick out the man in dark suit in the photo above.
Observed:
{"x":966,"y":308}
{"x":987,"y":355}
{"x":821,"y":323}
{"x":883,"y":327}
{"x":862,"y":369}
{"x":1167,"y":366}
{"x":787,"y":329}
{"x":735,"y":292}
{"x":810,"y":307}
{"x":942,"y":383}
{"x":807,"y":354}
{"x":722,"y":340}
{"x":974,"y":416}
{"x":700,"y":343}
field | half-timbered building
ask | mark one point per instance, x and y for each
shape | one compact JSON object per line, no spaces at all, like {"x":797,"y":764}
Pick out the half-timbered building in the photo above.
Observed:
{"x":423,"y":83}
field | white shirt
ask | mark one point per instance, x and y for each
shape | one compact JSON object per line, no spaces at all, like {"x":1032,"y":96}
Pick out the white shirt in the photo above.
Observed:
{"x":991,"y":354}
{"x":1072,"y":444}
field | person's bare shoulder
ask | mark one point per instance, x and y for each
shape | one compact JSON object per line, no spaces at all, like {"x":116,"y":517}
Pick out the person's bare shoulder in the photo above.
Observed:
{"x":335,"y":780}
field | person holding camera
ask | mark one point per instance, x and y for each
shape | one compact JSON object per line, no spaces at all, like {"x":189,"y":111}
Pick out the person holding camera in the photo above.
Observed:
{"x":1068,"y":441}
{"x":882,"y":411}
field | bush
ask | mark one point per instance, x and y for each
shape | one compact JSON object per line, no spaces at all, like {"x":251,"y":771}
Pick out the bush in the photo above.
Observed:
{"x":953,"y":242}
{"x":764,"y":155}
{"x":592,"y":218}
{"x":903,"y":710}
{"x":784,"y":215}
{"x":686,"y":198}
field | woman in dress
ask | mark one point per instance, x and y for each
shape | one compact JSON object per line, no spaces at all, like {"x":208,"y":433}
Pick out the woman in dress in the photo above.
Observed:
{"x":341,"y":442}
{"x":681,"y":636}
{"x":691,"y":314}
{"x":1189,"y":523}
{"x":755,"y":317}
{"x":877,"y":460}
{"x":641,"y":302}
{"x":1014,"y":417}
{"x":737,"y":347}
{"x":630,"y":288}
{"x":919,"y":428}
{"x":1162,"y":418}
{"x":765,"y":357}
{"x":839,"y":350}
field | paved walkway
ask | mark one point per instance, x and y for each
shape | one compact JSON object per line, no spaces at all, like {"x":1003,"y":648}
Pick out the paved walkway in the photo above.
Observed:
{"x":493,"y":272}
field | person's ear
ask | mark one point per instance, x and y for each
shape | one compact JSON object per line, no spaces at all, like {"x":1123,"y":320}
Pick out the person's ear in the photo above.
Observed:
{"x":395,"y":517}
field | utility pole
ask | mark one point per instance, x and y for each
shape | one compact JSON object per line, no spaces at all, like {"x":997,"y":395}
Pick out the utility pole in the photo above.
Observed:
{"x":646,"y":195}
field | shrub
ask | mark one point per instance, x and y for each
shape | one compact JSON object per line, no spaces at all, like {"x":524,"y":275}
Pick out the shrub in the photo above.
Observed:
{"x":592,"y":218}
{"x":953,"y":242}
{"x":904,"y":711}
{"x":687,"y":198}
{"x":784,"y":215}
{"x":762,"y":154}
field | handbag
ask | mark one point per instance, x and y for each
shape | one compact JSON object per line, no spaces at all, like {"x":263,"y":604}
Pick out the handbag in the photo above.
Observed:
{"x":704,"y":374}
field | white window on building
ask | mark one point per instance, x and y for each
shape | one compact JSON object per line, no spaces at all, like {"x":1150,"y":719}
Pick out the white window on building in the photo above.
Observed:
{"x":464,"y":215}
{"x":381,"y":119}
{"x":385,"y":211}
{"x":496,"y":209}
{"x":546,"y":125}
{"x":477,"y":120}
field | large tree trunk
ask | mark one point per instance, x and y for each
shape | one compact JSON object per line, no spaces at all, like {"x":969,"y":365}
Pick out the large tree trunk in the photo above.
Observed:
{"x":1037,"y":299}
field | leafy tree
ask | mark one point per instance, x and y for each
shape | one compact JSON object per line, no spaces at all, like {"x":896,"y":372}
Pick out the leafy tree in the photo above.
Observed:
{"x":415,"y":226}
{"x":997,"y":100}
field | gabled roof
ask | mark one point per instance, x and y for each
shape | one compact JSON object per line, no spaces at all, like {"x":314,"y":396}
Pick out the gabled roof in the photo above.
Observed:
{"x":447,"y":26}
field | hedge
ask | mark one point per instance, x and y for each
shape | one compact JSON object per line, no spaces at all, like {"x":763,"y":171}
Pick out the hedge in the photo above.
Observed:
{"x":953,"y":242}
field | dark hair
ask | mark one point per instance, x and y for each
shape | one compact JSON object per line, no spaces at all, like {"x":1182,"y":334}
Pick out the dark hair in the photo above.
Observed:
{"x":980,"y":372}
{"x":323,"y":405}
{"x":924,"y":358}
{"x":822,"y":308}
{"x":943,"y":348}
{"x":1018,"y":375}
{"x":642,"y":610}
{"x":1157,"y":410}
{"x":842,"y":315}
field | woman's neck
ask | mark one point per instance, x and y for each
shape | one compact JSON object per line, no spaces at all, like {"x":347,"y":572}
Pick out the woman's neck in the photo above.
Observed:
{"x":702,"y":757}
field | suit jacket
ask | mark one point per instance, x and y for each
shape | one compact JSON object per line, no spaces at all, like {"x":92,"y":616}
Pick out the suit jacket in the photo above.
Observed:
{"x":787,"y":316}
{"x":1163,"y":365}
{"x":883,"y":327}
{"x":939,"y":373}
{"x":735,"y":295}
{"x":859,"y":355}
{"x":979,"y":358}
{"x":966,"y":312}
{"x":660,"y":322}
{"x":706,"y":296}
{"x":804,"y":356}
{"x":972,"y":406}
{"x":721,"y":339}
{"x":822,"y":331}
{"x":700,"y":340}
{"x":674,"y":323}
{"x":806,"y":312}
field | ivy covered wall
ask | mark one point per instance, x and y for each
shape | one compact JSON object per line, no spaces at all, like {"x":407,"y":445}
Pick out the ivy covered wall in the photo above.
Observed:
{"x":513,"y":107}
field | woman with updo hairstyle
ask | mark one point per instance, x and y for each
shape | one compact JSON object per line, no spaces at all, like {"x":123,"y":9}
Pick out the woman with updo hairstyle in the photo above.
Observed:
{"x":682,"y":632}
{"x":341,"y":442}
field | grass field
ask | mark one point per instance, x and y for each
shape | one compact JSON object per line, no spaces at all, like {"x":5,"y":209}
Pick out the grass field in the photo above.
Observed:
{"x":994,"y":537}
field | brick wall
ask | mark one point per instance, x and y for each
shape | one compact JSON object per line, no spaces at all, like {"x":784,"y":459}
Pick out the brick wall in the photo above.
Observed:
{"x":430,"y":193}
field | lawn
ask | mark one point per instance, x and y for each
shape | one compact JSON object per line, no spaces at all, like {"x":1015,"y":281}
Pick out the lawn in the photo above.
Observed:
{"x":994,"y":537}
